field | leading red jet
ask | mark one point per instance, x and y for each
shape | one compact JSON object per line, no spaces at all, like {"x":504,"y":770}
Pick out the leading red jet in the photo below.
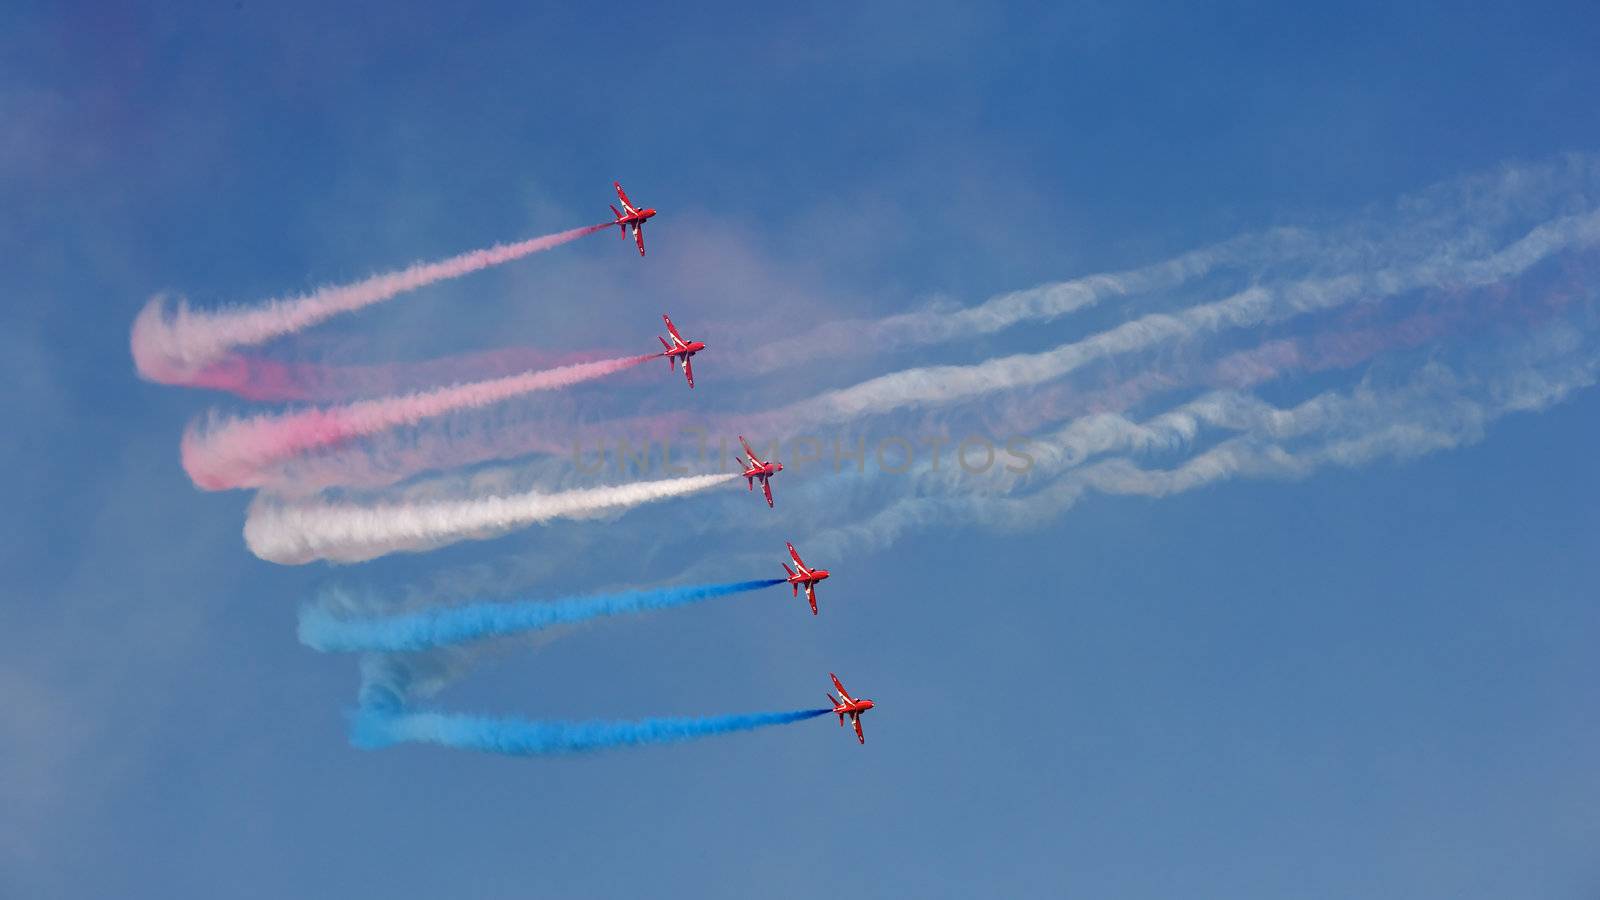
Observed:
{"x":801,"y":575}
{"x":756,"y":470}
{"x":632,"y":216}
{"x":849,"y":706}
{"x":679,"y":349}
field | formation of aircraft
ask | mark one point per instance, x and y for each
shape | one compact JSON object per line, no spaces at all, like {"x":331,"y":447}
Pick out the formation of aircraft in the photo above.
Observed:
{"x":847,"y":705}
{"x":630,"y":215}
{"x":800,"y":575}
{"x":679,"y":349}
{"x":756,"y":470}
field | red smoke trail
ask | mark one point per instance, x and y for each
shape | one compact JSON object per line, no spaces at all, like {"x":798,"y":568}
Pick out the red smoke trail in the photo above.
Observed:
{"x":243,"y":452}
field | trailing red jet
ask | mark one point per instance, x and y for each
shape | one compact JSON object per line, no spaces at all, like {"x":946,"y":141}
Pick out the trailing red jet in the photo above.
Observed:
{"x":629,"y":215}
{"x":756,"y":470}
{"x":849,"y":706}
{"x":801,"y":575}
{"x":679,"y":349}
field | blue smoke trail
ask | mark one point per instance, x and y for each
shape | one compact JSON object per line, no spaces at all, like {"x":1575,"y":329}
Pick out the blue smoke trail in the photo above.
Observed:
{"x":438,"y":627}
{"x":375,"y":727}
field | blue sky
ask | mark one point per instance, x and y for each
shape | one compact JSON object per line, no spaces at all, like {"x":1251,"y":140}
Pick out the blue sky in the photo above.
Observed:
{"x":1376,"y":680}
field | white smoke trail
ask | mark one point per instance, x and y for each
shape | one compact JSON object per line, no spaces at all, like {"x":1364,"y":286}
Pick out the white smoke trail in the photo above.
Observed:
{"x":1440,"y":408}
{"x":1258,"y":305}
{"x":1455,"y":218}
{"x":295,"y":532}
{"x":1039,"y":304}
{"x":171,"y":346}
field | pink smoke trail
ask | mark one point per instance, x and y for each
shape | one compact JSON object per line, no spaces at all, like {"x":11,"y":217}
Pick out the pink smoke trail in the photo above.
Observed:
{"x":268,"y":380}
{"x":170,"y":346}
{"x":240,"y":453}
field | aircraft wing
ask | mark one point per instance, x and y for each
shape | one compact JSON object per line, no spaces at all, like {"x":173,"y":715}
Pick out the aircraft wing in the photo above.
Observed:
{"x":672,"y":330}
{"x":840,"y":688}
{"x":766,"y":488}
{"x":811,"y":594}
{"x":624,"y":198}
{"x":638,"y":237}
{"x":795,"y":556}
{"x":688,"y":371}
{"x":747,"y":451}
{"x":856,"y":721}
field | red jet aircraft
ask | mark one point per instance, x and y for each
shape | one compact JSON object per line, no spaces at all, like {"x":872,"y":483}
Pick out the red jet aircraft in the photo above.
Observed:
{"x":849,"y":706}
{"x":805,"y":576}
{"x":632,"y":216}
{"x":756,"y":470}
{"x":679,"y":349}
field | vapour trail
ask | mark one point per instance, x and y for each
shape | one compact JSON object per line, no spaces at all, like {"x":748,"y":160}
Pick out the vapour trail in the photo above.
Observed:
{"x":239,"y":453}
{"x":373,"y":728}
{"x":170,"y":346}
{"x":445,"y":625}
{"x":299,"y":531}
